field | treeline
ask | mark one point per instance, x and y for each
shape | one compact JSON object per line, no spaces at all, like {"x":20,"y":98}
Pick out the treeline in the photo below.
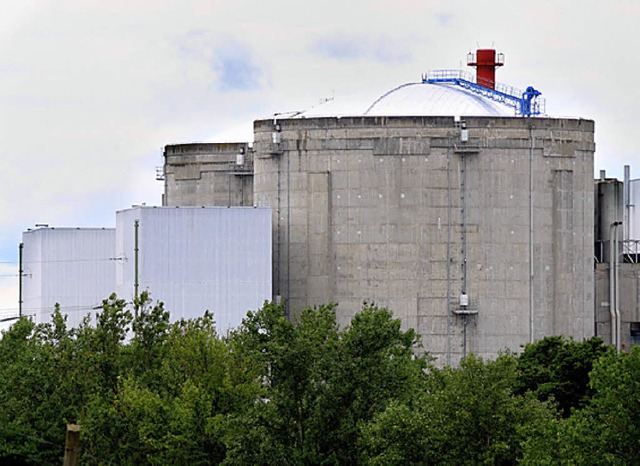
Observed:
{"x":146,"y":391}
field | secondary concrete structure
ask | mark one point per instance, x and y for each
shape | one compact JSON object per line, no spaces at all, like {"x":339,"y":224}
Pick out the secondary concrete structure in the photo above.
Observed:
{"x":208,"y":174}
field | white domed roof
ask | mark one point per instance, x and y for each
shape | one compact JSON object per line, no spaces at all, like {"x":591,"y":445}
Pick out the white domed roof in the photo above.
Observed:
{"x":435,"y":99}
{"x":412,"y":99}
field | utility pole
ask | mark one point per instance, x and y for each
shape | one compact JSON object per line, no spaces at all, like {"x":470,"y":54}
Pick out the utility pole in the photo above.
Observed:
{"x":136,"y":250}
{"x":20,"y":275}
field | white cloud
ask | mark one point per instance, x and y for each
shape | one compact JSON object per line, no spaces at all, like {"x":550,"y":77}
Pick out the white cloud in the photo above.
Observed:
{"x":340,"y":46}
{"x":90,"y":91}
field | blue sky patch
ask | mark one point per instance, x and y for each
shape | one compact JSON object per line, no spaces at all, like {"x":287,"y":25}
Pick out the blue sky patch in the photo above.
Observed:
{"x":344,"y":47}
{"x":235,"y":68}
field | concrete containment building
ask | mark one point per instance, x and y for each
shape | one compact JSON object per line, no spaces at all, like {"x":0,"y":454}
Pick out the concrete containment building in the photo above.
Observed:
{"x":491,"y":236}
{"x":454,"y":201}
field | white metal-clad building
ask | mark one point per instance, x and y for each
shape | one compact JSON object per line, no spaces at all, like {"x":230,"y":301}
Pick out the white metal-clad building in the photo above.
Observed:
{"x":197,"y":258}
{"x":73,"y":267}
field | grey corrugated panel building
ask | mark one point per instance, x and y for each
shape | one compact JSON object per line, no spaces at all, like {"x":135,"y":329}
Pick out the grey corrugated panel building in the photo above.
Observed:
{"x":632,"y":226}
{"x":629,"y":303}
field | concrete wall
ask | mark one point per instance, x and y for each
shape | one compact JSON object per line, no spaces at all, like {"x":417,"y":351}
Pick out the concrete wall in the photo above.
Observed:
{"x":401,"y":212}
{"x":207,"y":174}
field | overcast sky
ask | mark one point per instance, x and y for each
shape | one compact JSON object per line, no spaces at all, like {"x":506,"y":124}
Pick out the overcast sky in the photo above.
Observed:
{"x":90,"y":91}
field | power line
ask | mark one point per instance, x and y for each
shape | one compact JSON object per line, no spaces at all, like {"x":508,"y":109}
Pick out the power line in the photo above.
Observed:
{"x":101,"y":259}
{"x":63,"y":309}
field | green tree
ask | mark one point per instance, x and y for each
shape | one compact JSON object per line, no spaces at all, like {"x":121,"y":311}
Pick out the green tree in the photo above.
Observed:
{"x":616,"y":404}
{"x":465,"y":415}
{"x":378,"y":364}
{"x":291,"y":362}
{"x":320,"y":384}
{"x":556,"y":368}
{"x":175,"y":385}
{"x":20,"y":361}
{"x":607,"y":429}
{"x":204,"y":381}
{"x":125,"y":428}
{"x":149,"y":346}
{"x":306,"y":392}
{"x":42,"y":387}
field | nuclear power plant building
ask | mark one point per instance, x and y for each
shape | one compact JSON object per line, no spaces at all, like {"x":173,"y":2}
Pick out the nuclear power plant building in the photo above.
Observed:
{"x":453,"y":201}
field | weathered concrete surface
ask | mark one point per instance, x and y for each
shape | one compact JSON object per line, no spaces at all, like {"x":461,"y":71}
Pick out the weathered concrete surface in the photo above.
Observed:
{"x":400,"y":212}
{"x":206,"y":174}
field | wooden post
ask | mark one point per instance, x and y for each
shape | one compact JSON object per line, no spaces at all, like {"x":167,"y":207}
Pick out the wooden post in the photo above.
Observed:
{"x":72,"y":445}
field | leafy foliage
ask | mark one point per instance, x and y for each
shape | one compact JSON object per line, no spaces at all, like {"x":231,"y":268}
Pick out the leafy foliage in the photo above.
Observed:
{"x":465,"y":415}
{"x":320,"y":384}
{"x":148,"y":391}
{"x":555,"y":368}
{"x":607,"y":430}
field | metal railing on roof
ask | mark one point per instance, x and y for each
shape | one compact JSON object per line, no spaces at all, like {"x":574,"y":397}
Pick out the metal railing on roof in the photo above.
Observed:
{"x":525,"y":103}
{"x":630,"y":251}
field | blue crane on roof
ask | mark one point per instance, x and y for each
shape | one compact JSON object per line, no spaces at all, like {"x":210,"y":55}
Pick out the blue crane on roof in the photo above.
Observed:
{"x":525,"y":103}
